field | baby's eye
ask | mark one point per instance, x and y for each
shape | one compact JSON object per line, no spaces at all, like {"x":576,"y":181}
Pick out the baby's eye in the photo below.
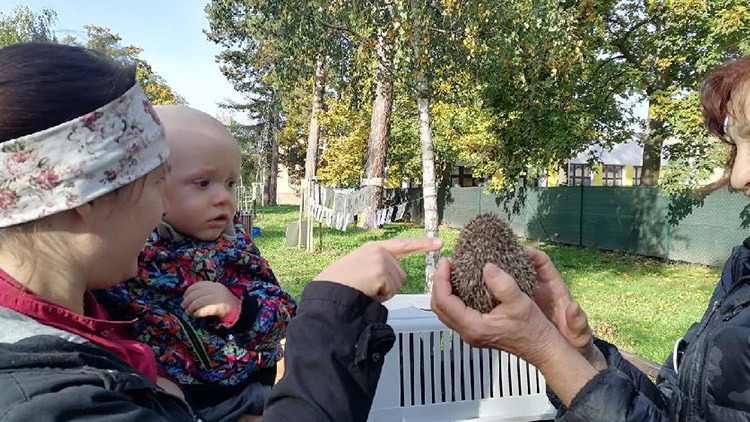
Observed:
{"x":203,"y":183}
{"x":231,"y":184}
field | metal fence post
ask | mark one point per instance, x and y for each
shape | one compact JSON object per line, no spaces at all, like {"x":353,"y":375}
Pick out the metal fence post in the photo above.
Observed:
{"x":580,"y":220}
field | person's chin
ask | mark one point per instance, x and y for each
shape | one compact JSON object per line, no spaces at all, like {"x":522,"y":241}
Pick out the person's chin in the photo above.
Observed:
{"x":210,"y":235}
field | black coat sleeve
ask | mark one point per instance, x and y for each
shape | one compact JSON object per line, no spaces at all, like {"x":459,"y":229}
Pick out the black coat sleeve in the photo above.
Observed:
{"x":335,"y":351}
{"x":621,"y":393}
{"x":641,"y":382}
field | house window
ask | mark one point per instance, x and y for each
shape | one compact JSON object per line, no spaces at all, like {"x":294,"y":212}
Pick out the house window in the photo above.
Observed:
{"x":579,"y":174}
{"x":462,"y":177}
{"x":637,"y":172}
{"x":612,"y":176}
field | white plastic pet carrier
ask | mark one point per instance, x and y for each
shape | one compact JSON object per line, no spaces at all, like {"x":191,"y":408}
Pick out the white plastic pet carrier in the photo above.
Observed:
{"x":431,"y":375}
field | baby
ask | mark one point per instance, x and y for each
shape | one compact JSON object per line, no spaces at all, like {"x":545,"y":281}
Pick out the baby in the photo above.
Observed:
{"x":206,"y":301}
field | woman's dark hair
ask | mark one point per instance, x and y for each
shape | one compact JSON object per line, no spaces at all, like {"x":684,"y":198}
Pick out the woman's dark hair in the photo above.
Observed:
{"x":43,"y":85}
{"x":717,"y":91}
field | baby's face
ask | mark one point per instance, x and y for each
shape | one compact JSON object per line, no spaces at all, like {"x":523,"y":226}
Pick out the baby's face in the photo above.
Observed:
{"x":200,"y":187}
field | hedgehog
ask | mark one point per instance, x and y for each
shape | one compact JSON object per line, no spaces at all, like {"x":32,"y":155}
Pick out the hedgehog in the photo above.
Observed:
{"x":488,"y":239}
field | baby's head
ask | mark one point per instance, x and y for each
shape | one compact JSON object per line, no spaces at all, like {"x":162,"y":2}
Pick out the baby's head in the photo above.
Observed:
{"x":205,"y":163}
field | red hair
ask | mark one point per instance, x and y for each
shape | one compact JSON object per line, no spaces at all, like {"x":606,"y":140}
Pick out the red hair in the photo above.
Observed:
{"x":717,"y":91}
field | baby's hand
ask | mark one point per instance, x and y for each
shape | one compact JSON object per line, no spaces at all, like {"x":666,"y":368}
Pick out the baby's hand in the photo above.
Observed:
{"x":207,"y":298}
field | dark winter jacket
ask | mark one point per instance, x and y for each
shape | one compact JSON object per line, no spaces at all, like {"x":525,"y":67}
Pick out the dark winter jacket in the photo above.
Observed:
{"x":335,"y":349}
{"x":711,"y":380}
{"x":47,"y":374}
{"x":335,"y":354}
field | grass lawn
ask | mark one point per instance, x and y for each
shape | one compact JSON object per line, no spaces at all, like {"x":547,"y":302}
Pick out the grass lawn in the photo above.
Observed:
{"x":639,"y":304}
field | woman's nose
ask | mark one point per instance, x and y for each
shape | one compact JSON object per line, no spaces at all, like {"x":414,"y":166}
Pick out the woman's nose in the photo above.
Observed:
{"x":740,"y":178}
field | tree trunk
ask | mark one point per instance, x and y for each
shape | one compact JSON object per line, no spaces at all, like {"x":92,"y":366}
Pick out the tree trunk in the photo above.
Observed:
{"x":265,"y":164}
{"x":380,"y":123}
{"x":429,"y":186}
{"x":266,"y":188}
{"x":652,"y":146}
{"x":274,"y":172}
{"x":313,"y":138}
{"x":654,"y":137}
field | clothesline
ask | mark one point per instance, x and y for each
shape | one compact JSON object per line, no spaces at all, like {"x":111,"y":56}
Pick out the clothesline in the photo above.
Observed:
{"x":338,"y":209}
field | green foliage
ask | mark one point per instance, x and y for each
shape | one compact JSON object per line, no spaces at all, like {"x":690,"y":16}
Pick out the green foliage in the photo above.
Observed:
{"x":694,"y":155}
{"x":154,"y":86}
{"x":512,"y":85}
{"x":247,"y":138}
{"x":292,"y":138}
{"x":343,"y":159}
{"x":548,"y":90}
{"x":664,"y":50}
{"x":23,"y":25}
{"x":262,"y":107}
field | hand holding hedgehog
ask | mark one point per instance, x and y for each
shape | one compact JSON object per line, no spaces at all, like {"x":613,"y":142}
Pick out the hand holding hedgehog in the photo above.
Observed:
{"x":488,"y":294}
{"x":516,"y":325}
{"x":488,"y":239}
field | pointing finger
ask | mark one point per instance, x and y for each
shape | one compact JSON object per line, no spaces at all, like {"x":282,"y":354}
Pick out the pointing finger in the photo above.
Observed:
{"x":403,"y":246}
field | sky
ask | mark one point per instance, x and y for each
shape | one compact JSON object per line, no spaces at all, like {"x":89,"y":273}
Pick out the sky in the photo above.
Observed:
{"x":169,"y":31}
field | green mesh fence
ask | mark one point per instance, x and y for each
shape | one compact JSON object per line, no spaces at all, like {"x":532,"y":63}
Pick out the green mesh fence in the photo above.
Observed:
{"x":696,"y":228}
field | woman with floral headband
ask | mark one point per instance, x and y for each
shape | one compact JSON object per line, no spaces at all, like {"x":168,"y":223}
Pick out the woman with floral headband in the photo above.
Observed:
{"x":81,"y":170}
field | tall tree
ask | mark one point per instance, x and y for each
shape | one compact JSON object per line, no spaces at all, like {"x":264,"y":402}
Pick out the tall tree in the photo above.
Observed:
{"x":380,"y":122}
{"x":423,"y":92}
{"x":268,"y":42}
{"x":313,"y":139}
{"x":665,"y":49}
{"x":23,"y":25}
{"x":263,"y":110}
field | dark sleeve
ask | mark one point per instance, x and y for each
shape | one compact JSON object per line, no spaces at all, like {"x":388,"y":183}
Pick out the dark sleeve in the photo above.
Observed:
{"x":622,"y":393}
{"x":612,"y":396}
{"x":86,"y":402}
{"x":334,"y":355}
{"x":641,"y":381}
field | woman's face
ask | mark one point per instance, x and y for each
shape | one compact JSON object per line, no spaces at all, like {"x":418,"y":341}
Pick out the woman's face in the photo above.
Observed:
{"x":738,"y":131}
{"x":124,"y":222}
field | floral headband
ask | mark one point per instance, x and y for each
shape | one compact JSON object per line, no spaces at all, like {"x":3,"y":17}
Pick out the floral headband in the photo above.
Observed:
{"x":75,"y":162}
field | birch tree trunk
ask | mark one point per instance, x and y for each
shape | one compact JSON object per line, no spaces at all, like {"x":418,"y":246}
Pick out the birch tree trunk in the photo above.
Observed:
{"x":429,"y":186}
